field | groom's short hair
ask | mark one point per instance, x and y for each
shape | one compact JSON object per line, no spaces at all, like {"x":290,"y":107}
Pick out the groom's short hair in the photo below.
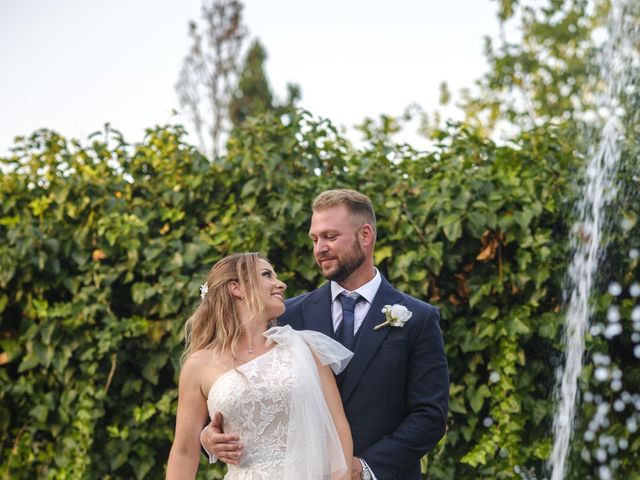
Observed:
{"x":357,"y":203}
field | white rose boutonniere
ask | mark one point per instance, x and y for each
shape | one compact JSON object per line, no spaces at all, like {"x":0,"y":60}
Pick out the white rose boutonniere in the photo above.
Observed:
{"x":397,"y":316}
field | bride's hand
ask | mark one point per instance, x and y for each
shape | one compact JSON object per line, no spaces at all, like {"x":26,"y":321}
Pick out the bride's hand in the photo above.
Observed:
{"x":226,"y":448}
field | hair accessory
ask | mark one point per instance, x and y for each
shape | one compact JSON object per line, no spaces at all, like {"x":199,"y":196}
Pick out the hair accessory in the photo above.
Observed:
{"x":204,"y":288}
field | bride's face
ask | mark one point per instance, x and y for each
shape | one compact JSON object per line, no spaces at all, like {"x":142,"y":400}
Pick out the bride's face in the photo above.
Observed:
{"x":271,"y":290}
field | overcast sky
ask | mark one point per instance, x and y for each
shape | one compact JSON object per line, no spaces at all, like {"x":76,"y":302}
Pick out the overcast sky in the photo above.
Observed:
{"x":72,"y":65}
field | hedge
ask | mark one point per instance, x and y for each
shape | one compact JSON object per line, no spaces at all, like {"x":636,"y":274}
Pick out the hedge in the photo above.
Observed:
{"x":104,"y":245}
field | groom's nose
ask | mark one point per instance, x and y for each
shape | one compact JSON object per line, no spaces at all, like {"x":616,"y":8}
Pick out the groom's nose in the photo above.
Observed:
{"x":320,"y":246}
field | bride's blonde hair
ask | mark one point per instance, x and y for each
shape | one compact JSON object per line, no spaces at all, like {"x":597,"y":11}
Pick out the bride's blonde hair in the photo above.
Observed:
{"x":215,"y":324}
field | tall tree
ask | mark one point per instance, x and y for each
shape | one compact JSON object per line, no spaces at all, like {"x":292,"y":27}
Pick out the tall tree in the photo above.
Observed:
{"x":210,"y":69}
{"x":253,"y":93}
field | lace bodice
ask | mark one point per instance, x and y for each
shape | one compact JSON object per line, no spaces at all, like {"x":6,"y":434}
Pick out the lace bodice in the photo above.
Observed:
{"x":274,"y":403}
{"x":254,"y":401}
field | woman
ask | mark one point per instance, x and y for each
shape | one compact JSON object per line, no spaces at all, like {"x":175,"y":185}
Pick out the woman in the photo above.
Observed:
{"x":272,"y":385}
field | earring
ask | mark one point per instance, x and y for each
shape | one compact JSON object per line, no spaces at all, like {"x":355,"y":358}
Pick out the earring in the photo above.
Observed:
{"x":241,"y":297}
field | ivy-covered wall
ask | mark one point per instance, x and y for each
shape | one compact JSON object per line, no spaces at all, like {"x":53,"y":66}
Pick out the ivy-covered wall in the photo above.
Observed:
{"x":103,"y":248}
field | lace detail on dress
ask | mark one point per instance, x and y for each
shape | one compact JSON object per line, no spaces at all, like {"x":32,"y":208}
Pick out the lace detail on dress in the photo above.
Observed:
{"x":275,"y":405}
{"x":254,"y":402}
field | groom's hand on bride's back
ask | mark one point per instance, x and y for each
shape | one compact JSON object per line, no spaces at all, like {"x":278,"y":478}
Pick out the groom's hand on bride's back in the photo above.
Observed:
{"x":225,"y":447}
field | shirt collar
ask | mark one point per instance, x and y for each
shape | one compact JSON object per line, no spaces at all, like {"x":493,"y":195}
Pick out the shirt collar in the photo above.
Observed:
{"x":368,"y":290}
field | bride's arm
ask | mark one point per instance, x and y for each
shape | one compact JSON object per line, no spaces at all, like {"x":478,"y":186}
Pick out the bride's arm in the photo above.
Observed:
{"x":332,"y":397}
{"x":192,"y":414}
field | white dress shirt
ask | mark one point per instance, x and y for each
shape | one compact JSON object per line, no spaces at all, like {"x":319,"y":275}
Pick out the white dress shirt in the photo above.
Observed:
{"x":367,"y":291}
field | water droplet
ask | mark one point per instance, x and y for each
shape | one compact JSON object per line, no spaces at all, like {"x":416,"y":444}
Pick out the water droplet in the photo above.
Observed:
{"x":588,"y":397}
{"x":589,"y":436}
{"x":601,"y":455}
{"x":584,"y":454}
{"x":635,"y":313}
{"x":615,"y":289}
{"x":595,"y":330}
{"x":603,"y":441}
{"x":613,"y":330}
{"x":601,"y":374}
{"x":603,"y":472}
{"x":634,"y":253}
{"x":601,"y":359}
{"x":618,"y":405}
{"x":613,"y":313}
{"x":632,"y":425}
{"x":623,"y":443}
{"x":616,"y":385}
{"x":634,"y":290}
{"x":285,"y":119}
{"x":590,"y":116}
{"x":487,"y":422}
{"x":616,"y":374}
{"x":636,"y":351}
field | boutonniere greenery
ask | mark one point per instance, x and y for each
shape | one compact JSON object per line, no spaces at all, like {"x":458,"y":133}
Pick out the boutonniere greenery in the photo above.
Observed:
{"x":397,"y":316}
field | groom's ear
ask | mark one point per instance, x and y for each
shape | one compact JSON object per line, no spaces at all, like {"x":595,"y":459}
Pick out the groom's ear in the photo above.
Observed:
{"x":367,"y":235}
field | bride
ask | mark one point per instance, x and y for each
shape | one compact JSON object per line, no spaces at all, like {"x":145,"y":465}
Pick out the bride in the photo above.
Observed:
{"x":273,"y":386}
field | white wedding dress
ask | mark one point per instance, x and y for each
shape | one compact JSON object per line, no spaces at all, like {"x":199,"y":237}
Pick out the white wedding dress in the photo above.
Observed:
{"x":274,"y":403}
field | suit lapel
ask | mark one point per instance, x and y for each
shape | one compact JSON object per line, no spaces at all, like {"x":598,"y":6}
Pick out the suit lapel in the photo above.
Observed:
{"x":316,"y":311}
{"x":369,"y":339}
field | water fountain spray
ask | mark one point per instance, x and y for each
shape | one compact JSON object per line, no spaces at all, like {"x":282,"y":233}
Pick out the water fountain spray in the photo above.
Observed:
{"x":617,"y":62}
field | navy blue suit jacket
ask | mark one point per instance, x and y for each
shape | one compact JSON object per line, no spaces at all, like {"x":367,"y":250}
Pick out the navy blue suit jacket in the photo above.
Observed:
{"x":395,"y":390}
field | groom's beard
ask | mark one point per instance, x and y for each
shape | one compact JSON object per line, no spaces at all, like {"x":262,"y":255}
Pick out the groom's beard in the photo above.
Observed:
{"x":347,"y":264}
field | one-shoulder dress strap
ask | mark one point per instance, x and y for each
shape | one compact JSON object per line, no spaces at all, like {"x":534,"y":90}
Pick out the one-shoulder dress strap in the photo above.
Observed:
{"x":327,"y":350}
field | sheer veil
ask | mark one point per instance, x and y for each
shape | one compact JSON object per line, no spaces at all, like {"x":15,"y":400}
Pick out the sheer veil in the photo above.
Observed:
{"x":313,"y":446}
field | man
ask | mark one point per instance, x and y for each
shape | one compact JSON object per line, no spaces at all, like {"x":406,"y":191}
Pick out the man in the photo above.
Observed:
{"x":395,"y":389}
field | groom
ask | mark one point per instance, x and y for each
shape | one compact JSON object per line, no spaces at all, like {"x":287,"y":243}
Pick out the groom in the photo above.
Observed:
{"x":395,"y":390}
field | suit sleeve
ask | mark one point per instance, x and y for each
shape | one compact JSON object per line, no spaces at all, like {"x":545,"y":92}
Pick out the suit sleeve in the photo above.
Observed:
{"x":427,"y":403}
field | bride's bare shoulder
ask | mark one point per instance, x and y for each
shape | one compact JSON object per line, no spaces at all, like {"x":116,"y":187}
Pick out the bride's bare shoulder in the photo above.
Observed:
{"x":199,"y":368}
{"x":205,"y":358}
{"x":205,"y":366}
